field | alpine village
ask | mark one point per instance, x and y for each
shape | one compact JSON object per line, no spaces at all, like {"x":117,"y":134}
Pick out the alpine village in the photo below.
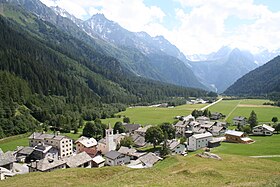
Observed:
{"x":86,"y":102}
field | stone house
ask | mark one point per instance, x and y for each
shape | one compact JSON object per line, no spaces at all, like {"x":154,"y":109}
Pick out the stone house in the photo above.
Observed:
{"x":47,"y":165}
{"x":176,"y":147}
{"x":63,"y":144}
{"x":115,"y":158}
{"x":239,"y":121}
{"x":80,"y":160}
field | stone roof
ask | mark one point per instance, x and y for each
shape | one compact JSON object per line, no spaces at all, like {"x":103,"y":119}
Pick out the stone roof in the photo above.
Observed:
{"x":26,"y":151}
{"x":131,"y":127}
{"x":47,"y":163}
{"x":239,"y":118}
{"x":98,"y":159}
{"x":43,"y":136}
{"x":219,"y":123}
{"x":7,"y":158}
{"x":203,"y":118}
{"x":173,"y":144}
{"x":203,"y":135}
{"x":143,"y":129}
{"x":78,"y":159}
{"x":234,"y":133}
{"x":217,"y":128}
{"x":207,"y":125}
{"x":87,"y":142}
{"x":130,"y":152}
{"x":113,"y":154}
{"x":149,"y":159}
{"x":181,"y":124}
{"x":139,"y":140}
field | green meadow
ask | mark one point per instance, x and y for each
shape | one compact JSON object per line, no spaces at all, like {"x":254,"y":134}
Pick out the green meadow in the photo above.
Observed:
{"x":232,"y":108}
{"x":263,"y":145}
{"x":154,"y":115}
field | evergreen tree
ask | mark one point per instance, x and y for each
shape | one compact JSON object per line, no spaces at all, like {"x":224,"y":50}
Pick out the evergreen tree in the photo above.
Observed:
{"x":253,"y":120}
{"x":274,"y":119}
{"x":119,"y":127}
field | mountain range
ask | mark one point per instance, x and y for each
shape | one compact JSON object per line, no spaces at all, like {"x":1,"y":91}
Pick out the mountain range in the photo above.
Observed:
{"x":259,"y":82}
{"x":153,"y":57}
{"x":138,"y":52}
{"x":55,"y":75}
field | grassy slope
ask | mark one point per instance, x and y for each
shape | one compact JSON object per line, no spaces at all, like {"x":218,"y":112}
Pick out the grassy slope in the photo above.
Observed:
{"x":174,"y":171}
{"x":10,"y":143}
{"x":152,"y":115}
{"x":264,"y":113}
{"x":263,"y":146}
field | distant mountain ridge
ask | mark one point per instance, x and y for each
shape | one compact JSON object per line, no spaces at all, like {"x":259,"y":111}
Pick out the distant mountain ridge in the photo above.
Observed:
{"x":157,"y":54}
{"x":261,"y":81}
{"x":223,"y":68}
{"x":130,"y":54}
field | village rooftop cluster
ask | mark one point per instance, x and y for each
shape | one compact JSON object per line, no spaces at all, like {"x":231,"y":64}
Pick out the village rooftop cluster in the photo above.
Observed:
{"x":48,"y":152}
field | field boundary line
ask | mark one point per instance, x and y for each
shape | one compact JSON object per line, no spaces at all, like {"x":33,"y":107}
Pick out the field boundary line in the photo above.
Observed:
{"x":229,"y":114}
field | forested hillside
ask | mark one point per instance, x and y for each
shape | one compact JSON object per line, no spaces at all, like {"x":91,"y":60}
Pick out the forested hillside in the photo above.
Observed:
{"x":264,"y":80}
{"x":53,"y":79}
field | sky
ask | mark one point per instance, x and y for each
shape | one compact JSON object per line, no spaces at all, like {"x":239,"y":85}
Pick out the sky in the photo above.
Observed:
{"x":194,"y":26}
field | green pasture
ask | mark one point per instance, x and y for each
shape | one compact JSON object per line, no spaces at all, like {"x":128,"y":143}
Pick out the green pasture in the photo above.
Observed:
{"x":154,"y":115}
{"x":263,"y":145}
{"x":232,"y":108}
{"x":11,"y":143}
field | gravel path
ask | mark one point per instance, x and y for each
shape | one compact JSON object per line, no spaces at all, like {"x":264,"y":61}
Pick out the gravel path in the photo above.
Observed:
{"x":211,"y":104}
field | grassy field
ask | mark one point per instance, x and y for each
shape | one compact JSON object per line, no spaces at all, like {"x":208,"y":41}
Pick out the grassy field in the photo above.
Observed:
{"x":232,"y":108}
{"x":263,"y":146}
{"x":173,"y":171}
{"x":11,"y":143}
{"x":154,"y":115}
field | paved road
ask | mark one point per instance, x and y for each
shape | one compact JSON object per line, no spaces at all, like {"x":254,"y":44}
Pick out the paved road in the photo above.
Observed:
{"x":211,"y":104}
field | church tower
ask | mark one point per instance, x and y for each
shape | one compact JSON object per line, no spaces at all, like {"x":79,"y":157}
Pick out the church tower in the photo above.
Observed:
{"x":110,"y":144}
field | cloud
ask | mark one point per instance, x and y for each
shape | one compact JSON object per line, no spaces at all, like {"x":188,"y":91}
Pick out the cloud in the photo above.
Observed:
{"x":203,"y":25}
{"x":134,"y":15}
{"x":203,"y":29}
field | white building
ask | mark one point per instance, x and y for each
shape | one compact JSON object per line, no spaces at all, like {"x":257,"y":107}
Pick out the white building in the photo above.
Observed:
{"x":198,"y":141}
{"x":63,"y":144}
{"x":263,"y":130}
{"x":107,"y":144}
